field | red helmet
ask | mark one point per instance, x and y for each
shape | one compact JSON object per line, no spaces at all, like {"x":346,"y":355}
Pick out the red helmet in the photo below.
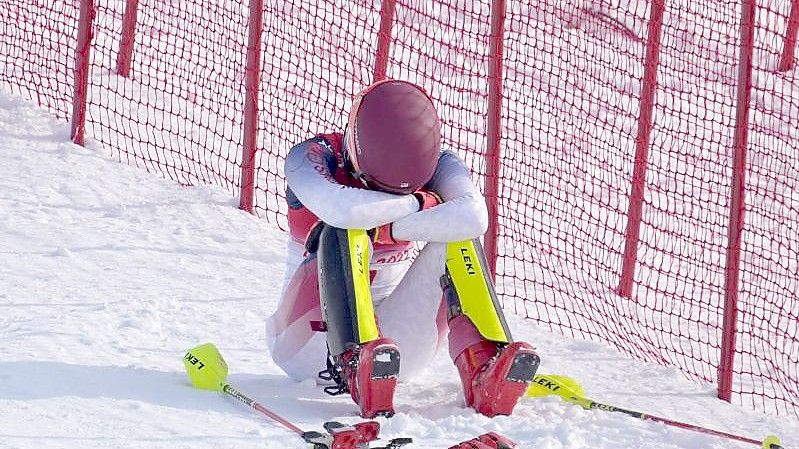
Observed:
{"x":393,"y":136}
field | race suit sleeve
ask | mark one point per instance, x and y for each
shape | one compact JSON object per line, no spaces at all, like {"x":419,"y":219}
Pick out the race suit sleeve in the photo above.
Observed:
{"x":462,"y":216}
{"x":310,"y":175}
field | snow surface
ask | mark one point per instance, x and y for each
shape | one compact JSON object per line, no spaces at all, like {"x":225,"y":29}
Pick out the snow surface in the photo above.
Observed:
{"x":108,"y":274}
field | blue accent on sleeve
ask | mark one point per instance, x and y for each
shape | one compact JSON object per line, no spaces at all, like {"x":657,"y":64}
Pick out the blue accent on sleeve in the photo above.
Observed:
{"x":292,"y":200}
{"x":330,"y":155}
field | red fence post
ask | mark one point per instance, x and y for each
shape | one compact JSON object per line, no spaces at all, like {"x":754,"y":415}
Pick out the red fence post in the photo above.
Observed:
{"x":251,"y":95}
{"x":648,"y":90}
{"x":384,"y":39}
{"x":127,"y":38}
{"x":82,"y":56}
{"x":737,"y":200}
{"x":494,"y":130}
{"x":788,"y":48}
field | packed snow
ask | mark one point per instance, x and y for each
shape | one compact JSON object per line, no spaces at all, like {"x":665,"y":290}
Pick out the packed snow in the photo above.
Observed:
{"x":108,"y":274}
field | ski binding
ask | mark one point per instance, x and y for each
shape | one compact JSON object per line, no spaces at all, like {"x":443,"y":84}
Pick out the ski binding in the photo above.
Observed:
{"x":343,"y":436}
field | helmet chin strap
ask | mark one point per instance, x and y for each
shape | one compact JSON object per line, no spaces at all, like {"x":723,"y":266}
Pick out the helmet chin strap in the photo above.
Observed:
{"x":345,"y":153}
{"x":346,"y":161}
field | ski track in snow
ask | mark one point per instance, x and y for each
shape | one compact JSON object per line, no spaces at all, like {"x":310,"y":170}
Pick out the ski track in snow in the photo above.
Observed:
{"x":108,"y":274}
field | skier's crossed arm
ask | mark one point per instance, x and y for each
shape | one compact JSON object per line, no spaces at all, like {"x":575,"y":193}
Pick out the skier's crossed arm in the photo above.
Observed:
{"x":462,"y":215}
{"x":310,"y":174}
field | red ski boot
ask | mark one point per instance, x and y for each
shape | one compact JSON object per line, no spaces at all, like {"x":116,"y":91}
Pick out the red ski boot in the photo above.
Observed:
{"x":493,"y":377}
{"x":370,"y":373}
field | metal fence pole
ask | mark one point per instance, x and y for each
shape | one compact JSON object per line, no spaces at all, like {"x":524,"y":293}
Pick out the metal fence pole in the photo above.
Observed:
{"x":737,"y":200}
{"x":127,"y":38}
{"x":494,"y":130}
{"x":251,"y":96}
{"x":788,"y":48}
{"x":645,"y":116}
{"x":384,"y":39}
{"x":82,"y":56}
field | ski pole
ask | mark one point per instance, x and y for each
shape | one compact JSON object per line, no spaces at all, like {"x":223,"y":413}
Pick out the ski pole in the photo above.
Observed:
{"x":207,"y":370}
{"x":570,"y":391}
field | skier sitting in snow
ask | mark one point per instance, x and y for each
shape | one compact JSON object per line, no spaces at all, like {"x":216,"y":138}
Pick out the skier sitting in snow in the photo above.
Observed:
{"x":355,"y":296}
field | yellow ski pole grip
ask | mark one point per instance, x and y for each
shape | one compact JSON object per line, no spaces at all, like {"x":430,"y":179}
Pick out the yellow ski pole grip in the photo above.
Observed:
{"x":772,"y":442}
{"x":206,"y":368}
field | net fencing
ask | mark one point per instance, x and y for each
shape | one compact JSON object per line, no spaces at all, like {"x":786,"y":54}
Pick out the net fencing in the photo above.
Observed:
{"x":769,"y":287}
{"x":179,"y":111}
{"x":573,"y":104}
{"x":37,"y":46}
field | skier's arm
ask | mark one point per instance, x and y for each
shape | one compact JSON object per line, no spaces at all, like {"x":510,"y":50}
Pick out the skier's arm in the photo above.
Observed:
{"x":462,"y":216}
{"x":309,"y":172}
